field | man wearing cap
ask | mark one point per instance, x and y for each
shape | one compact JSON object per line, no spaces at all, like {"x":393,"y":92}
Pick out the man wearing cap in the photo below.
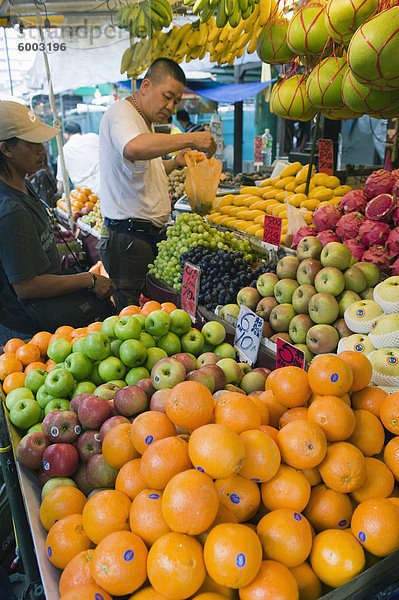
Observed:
{"x":33,"y":292}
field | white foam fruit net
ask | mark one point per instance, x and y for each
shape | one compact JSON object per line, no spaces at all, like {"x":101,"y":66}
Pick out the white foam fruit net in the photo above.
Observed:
{"x":387,"y":307}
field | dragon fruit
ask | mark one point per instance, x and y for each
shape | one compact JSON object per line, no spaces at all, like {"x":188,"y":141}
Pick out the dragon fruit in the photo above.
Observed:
{"x":393,"y":242}
{"x":379,"y":256}
{"x":395,"y":173}
{"x":305,"y":231}
{"x":326,"y":217}
{"x":348,"y":226}
{"x":395,"y":267}
{"x":395,"y":216}
{"x":356,"y":248}
{"x":379,"y":182}
{"x":353,"y":201}
{"x":327,"y":236}
{"x":395,"y":190}
{"x":373,"y":233}
{"x":381,"y":207}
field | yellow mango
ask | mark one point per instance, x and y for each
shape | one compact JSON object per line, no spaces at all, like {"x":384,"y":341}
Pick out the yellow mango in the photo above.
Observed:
{"x":296,"y":199}
{"x":300,"y":189}
{"x":257,"y":204}
{"x":268,"y":188}
{"x":265,"y":183}
{"x":275,"y":180}
{"x":321,"y":193}
{"x":238,"y":201}
{"x":278,"y":209}
{"x":250,"y":200}
{"x":270,"y":194}
{"x":242,"y":214}
{"x":341,"y":190}
{"x":283,"y":214}
{"x":269,"y":202}
{"x":213,"y":216}
{"x":218,"y":219}
{"x":262,"y":205}
{"x":253,"y":229}
{"x":308,"y":218}
{"x":229,"y":222}
{"x":283,"y":195}
{"x":319,"y":178}
{"x":282,"y":239}
{"x":284,"y":229}
{"x":225,"y":210}
{"x":224,"y":222}
{"x":221,"y":201}
{"x":325,"y":203}
{"x":233,"y":210}
{"x":284,"y":181}
{"x":259,"y":233}
{"x":302,"y":175}
{"x":291,"y":170}
{"x":290,"y":187}
{"x":251,"y":189}
{"x":310,"y":204}
{"x":241,"y":225}
{"x":256,"y":213}
{"x":332,"y":182}
{"x":260,"y":220}
{"x":270,"y":208}
{"x":335,"y":200}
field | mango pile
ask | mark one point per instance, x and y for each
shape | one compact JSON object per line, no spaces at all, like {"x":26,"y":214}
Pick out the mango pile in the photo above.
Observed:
{"x":246,"y":211}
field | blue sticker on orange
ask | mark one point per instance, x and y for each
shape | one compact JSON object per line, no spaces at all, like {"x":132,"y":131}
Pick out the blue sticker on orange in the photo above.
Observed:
{"x":334,"y":377}
{"x":240,"y":560}
{"x":128,"y":556}
{"x":149,"y":439}
{"x":235,"y":498}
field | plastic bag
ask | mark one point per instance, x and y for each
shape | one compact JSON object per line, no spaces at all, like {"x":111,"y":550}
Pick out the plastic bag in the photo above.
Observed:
{"x":202,"y":181}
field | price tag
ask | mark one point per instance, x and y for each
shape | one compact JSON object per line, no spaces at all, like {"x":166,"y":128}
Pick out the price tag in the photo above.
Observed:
{"x":272,"y":231}
{"x":190,"y":289}
{"x":258,"y":150}
{"x":287,"y":355}
{"x":248,"y":335}
{"x":326,"y":157}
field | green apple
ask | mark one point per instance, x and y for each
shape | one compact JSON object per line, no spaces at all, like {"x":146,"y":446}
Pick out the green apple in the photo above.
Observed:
{"x":307,"y":271}
{"x":309,"y":247}
{"x":265,"y":285}
{"x":284,"y":289}
{"x":97,"y":346}
{"x":231,"y":369}
{"x":169,"y":342}
{"x":94,"y":375}
{"x":157,"y":323}
{"x":335,"y":254}
{"x":20,"y":393}
{"x":281,"y":317}
{"x":127,"y":328}
{"x":141,"y":319}
{"x":299,"y":327}
{"x":330,"y":280}
{"x":193,"y":342}
{"x":43,"y":397}
{"x":308,"y":354}
{"x":355,"y":279}
{"x":35,"y":427}
{"x":115,"y":345}
{"x":214,"y":333}
{"x":321,"y":339}
{"x":56,"y":404}
{"x":225,"y":350}
{"x":301,"y":298}
{"x":231,"y":310}
{"x":83,"y":387}
{"x":147,"y":339}
{"x":136,"y":374}
{"x":79,"y":345}
{"x":35,"y":379}
{"x":24,"y":413}
{"x":345,"y":299}
{"x":59,"y":383}
{"x":323,"y":308}
{"x":371,"y":273}
{"x":59,"y":350}
{"x":153,"y":356}
{"x":107,"y":391}
{"x":384,"y":361}
{"x":107,"y":326}
{"x":79,"y":365}
{"x":55,"y":482}
{"x":118,"y":382}
{"x":133,"y":353}
{"x":180,"y":321}
{"x":111,"y":368}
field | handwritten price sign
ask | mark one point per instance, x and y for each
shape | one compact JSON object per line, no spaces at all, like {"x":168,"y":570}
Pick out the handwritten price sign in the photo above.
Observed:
{"x":248,"y":335}
{"x":190,"y":289}
{"x":288,"y":355}
{"x":326,"y":157}
{"x":272,"y":231}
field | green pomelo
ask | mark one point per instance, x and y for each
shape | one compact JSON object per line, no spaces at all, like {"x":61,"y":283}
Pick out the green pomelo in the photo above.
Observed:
{"x":336,"y":114}
{"x":289,"y":100}
{"x":362,"y":99}
{"x":343,"y":17}
{"x":307,"y":33}
{"x":324,"y":84}
{"x":374,"y":50}
{"x":272,"y":44}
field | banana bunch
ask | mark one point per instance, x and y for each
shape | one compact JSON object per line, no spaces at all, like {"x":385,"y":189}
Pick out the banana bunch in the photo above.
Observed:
{"x":232,"y":12}
{"x":143,"y":18}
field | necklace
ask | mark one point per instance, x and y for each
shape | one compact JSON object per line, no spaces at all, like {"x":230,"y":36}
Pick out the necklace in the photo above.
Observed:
{"x":137,"y":106}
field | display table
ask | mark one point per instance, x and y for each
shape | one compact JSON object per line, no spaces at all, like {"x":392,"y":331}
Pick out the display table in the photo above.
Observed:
{"x":86,"y":234}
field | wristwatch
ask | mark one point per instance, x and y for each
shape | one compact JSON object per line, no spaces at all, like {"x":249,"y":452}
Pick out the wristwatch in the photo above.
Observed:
{"x":93,"y":281}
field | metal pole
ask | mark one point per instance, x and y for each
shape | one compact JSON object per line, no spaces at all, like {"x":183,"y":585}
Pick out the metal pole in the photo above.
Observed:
{"x":312,"y":152}
{"x":8,"y":61}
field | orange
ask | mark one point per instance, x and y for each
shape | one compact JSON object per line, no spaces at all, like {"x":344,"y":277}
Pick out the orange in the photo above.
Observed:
{"x":224,"y":515}
{"x":96,"y":326}
{"x":129,"y":479}
{"x":309,"y":585}
{"x":168,"y":307}
{"x":42,"y":340}
{"x":302,"y":444}
{"x":379,"y":481}
{"x":65,"y":540}
{"x":117,"y":447}
{"x":240,"y":495}
{"x":333,"y":416}
{"x":217,"y":450}
{"x":330,"y":375}
{"x":209,"y":596}
{"x":50,"y":364}
{"x":375,"y":523}
{"x":106,"y":512}
{"x":269,"y":379}
{"x":58,"y":336}
{"x":175,"y":565}
{"x":312,"y":475}
{"x":13,"y":380}
{"x":149,"y":307}
{"x":232,"y":554}
{"x":286,"y":536}
{"x":119,"y":563}
{"x":146,"y":516}
{"x":77,"y":572}
{"x":77,"y":333}
{"x":65,"y":330}
{"x":263,"y":410}
{"x":271,"y":431}
{"x":147,"y":593}
{"x":189,"y":405}
{"x":275,"y":408}
{"x":86,"y":592}
{"x":361,"y":369}
{"x":344,"y":467}
{"x":60,"y":502}
{"x":190,"y":502}
{"x":237,"y":411}
{"x":289,"y":488}
{"x":391,"y":456}
{"x":299,"y":412}
{"x":210,"y":586}
{"x":336,"y":557}
{"x":369,"y":398}
{"x":262,"y":456}
{"x":132,"y":309}
{"x":273,"y":582}
{"x":7,"y":355}
{"x":290,"y":386}
{"x":389,"y":413}
{"x":328,"y":509}
{"x":149,"y":427}
{"x":162,"y":460}
{"x":10,"y":365}
{"x":12,"y":345}
{"x":35,"y":365}
{"x":368,"y":435}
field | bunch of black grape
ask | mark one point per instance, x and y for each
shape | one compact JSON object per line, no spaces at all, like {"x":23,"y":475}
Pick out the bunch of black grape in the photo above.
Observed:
{"x":223,"y":274}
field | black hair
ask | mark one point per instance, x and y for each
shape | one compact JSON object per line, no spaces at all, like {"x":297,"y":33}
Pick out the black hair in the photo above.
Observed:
{"x":182,"y":115}
{"x":164,"y":67}
{"x":3,"y":159}
{"x":72,"y":127}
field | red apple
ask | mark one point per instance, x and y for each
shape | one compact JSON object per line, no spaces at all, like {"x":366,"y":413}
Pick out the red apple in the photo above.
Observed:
{"x":100,"y":473}
{"x":186,"y":359}
{"x":202,"y":377}
{"x":80,"y":478}
{"x":31,"y":448}
{"x":60,"y":460}
{"x":229,"y":387}
{"x":217,"y":374}
{"x":130,"y":400}
{"x":264,"y":370}
{"x":61,"y":426}
{"x":110,"y":423}
{"x":146,"y":386}
{"x":76,"y":400}
{"x":93,"y":411}
{"x":158,"y":400}
{"x":207,"y":358}
{"x":88,"y":444}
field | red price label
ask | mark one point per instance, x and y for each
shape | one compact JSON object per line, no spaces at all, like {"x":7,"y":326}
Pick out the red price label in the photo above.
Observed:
{"x":258,"y":149}
{"x":326,"y":157}
{"x":287,"y":355}
{"x":190,"y":289}
{"x":272,"y":230}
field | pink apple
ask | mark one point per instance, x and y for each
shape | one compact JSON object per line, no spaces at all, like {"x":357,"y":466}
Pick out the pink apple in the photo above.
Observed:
{"x":248,"y":296}
{"x":76,"y":400}
{"x":187,"y":360}
{"x":110,"y":423}
{"x":146,"y":386}
{"x":217,"y":374}
{"x":88,"y":444}
{"x":93,"y":411}
{"x":80,"y":478}
{"x":158,"y":400}
{"x":60,"y":460}
{"x":263,"y":370}
{"x":342,"y":328}
{"x":100,"y":473}
{"x":202,"y":377}
{"x":61,"y":426}
{"x":167,"y":373}
{"x":233,"y":388}
{"x":31,"y":448}
{"x":265,"y":307}
{"x":219,"y":394}
{"x":283,"y":336}
{"x":130,"y":400}
{"x":206,"y":358}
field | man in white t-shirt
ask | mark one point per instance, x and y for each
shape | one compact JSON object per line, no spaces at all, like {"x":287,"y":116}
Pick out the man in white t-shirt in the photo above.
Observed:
{"x":134,"y":187}
{"x":81,"y":153}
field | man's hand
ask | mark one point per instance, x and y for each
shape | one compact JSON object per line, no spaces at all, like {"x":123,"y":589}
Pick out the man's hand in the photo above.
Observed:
{"x":203,"y":141}
{"x":104,"y":287}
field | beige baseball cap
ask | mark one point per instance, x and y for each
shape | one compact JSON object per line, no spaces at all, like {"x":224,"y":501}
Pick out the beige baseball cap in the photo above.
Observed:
{"x":17,"y":120}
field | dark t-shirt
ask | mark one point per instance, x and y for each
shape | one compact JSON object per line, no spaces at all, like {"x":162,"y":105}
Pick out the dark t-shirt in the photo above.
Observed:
{"x":27,"y":249}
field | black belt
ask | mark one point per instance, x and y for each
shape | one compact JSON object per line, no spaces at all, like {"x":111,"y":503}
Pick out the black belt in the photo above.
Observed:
{"x":132,"y":226}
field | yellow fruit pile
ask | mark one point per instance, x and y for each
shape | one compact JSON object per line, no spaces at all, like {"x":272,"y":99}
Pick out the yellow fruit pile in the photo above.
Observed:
{"x":246,"y":211}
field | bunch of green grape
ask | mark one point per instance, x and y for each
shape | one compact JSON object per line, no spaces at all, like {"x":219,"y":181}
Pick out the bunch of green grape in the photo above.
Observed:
{"x":191,"y":231}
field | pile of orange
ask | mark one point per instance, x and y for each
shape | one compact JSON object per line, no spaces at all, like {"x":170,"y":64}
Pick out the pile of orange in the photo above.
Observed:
{"x":80,"y":197}
{"x":276,"y":497}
